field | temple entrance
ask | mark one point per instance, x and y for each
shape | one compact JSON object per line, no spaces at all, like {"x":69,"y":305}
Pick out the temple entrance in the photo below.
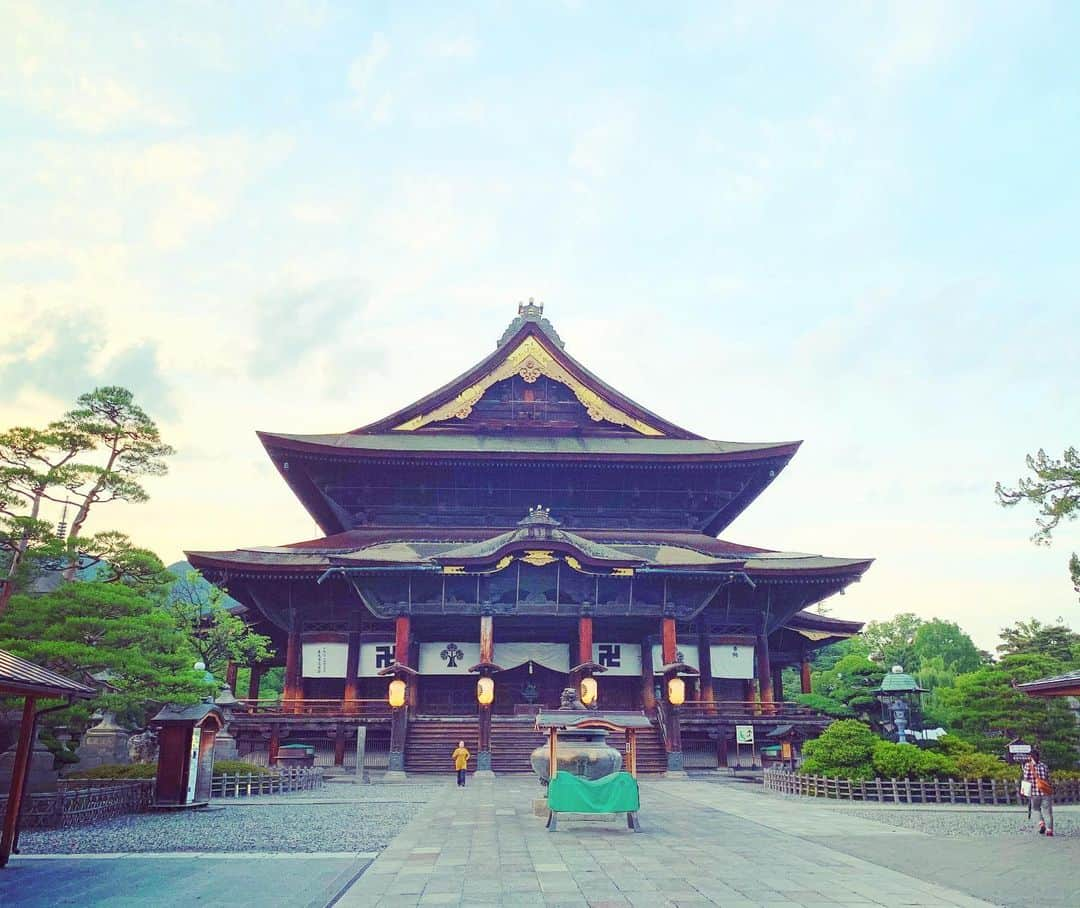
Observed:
{"x":525,"y":688}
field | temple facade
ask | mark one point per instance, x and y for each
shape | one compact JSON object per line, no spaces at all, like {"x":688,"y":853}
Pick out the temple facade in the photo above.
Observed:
{"x":531,"y":526}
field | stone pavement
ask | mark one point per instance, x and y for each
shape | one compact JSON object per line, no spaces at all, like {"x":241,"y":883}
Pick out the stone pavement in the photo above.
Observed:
{"x":178,"y":879}
{"x":701,"y":844}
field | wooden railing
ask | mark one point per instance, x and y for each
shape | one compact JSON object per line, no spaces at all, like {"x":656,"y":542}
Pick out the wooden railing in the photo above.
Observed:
{"x":911,"y":791}
{"x":247,"y":784}
{"x":279,"y":707}
{"x":750,"y":709}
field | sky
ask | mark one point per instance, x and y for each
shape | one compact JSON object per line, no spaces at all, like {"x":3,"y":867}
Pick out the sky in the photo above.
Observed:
{"x":852,"y":224}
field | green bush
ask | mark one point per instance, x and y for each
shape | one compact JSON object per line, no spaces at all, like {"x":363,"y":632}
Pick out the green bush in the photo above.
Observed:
{"x":906,"y":761}
{"x":232,"y":767}
{"x":844,"y":750}
{"x":116,"y":771}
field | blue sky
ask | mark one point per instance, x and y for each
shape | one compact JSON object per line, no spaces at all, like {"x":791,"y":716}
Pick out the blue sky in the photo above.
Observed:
{"x":850,"y":224}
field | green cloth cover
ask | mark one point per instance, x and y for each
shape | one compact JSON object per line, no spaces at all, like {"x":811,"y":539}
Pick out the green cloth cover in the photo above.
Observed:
{"x":614,"y":793}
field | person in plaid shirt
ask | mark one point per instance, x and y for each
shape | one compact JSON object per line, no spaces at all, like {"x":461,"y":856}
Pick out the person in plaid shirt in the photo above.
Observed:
{"x":1037,"y":775}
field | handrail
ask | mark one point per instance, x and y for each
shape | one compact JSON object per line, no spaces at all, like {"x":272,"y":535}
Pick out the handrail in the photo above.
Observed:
{"x":303,"y":707}
{"x":701,"y":709}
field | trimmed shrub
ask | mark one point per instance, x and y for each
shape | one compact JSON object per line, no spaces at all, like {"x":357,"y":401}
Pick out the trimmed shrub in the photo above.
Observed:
{"x":116,"y":771}
{"x":232,"y":767}
{"x":844,"y":750}
{"x":906,"y":761}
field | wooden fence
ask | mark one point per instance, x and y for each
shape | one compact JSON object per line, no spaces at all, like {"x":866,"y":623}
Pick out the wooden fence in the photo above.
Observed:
{"x":82,"y":801}
{"x":911,"y":791}
{"x":248,"y":784}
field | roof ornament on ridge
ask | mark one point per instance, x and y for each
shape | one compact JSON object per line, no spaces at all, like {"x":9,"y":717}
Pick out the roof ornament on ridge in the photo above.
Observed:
{"x":539,"y":522}
{"x":531,"y":311}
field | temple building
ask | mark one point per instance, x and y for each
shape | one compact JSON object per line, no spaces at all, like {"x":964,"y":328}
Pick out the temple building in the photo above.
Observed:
{"x":526,"y":526}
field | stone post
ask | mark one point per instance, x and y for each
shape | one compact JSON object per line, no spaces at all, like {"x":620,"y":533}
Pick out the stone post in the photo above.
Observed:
{"x":105,"y":743}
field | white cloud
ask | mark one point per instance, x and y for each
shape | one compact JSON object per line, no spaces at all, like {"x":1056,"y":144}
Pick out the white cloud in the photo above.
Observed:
{"x":601,"y":148}
{"x":919,"y":33}
{"x":52,"y":70}
{"x":362,"y":75}
{"x":461,"y":47}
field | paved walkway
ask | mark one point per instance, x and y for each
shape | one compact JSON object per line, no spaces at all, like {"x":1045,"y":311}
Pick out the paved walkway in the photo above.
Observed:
{"x":701,"y":844}
{"x":178,"y":879}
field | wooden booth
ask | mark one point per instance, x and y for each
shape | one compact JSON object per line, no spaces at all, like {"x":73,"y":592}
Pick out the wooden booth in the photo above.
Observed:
{"x":186,"y":754}
{"x":19,"y":678}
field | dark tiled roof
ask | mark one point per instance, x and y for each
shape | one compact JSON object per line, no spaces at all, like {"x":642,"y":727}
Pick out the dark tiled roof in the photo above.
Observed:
{"x":1069,"y":679}
{"x":17,"y":676}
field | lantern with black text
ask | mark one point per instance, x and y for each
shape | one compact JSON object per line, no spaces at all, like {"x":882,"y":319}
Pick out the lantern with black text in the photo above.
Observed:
{"x":485,"y":691}
{"x":588,"y":690}
{"x":397,"y":693}
{"x":676,"y":691}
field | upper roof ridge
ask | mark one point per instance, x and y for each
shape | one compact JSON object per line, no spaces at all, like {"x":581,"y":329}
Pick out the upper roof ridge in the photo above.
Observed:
{"x":531,"y":311}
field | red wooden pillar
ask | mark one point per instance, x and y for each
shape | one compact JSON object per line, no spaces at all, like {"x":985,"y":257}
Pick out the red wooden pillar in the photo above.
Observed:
{"x":339,"y":746}
{"x":778,"y":683}
{"x":487,"y":657}
{"x":585,"y":638}
{"x":764,"y":675}
{"x":18,"y":779}
{"x":807,"y":686}
{"x":230,"y":676}
{"x":669,"y":653}
{"x":705,"y":685}
{"x":648,"y":681}
{"x":255,"y":681}
{"x":399,"y":722}
{"x":294,"y":685}
{"x":352,"y":672}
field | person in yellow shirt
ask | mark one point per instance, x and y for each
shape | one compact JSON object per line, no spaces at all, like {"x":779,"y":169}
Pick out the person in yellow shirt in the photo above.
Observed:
{"x":461,"y":760}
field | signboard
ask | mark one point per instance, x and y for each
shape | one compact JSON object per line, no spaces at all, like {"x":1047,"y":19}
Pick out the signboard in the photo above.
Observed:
{"x":744,"y":734}
{"x":193,"y":765}
{"x":1018,"y":752}
{"x":620,"y":659}
{"x":732,"y":660}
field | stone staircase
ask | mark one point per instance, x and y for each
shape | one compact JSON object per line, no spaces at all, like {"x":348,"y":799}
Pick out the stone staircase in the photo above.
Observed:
{"x":430,"y":742}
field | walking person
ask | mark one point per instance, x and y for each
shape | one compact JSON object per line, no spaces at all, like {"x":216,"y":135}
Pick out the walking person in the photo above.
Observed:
{"x":461,"y":761}
{"x":1036,"y":781}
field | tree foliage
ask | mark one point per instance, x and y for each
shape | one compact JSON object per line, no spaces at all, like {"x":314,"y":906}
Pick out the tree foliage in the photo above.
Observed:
{"x":96,"y":453}
{"x":1055,"y":641}
{"x":847,"y":689}
{"x":218,"y":636}
{"x":844,"y":750}
{"x":111,"y":631}
{"x":1054,"y":487}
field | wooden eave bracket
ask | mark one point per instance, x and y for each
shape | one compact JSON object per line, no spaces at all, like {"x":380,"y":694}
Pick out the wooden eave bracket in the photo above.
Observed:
{"x":593,"y":667}
{"x":488,"y":667}
{"x":678,"y":668}
{"x":398,"y":669}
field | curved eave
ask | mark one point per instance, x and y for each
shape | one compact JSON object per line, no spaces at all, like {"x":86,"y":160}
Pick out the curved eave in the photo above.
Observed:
{"x":847,"y":570}
{"x":546,"y":545}
{"x":467,"y":379}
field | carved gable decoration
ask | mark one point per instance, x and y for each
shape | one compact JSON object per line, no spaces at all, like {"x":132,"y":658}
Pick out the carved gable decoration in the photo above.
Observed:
{"x":530,"y":360}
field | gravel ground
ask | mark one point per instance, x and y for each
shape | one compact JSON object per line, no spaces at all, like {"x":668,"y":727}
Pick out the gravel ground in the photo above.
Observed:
{"x":971,"y":823}
{"x":361,"y":818}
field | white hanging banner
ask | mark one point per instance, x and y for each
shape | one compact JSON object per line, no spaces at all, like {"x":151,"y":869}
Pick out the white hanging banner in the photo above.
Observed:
{"x":732,"y":660}
{"x":329,"y":660}
{"x":555,"y":656}
{"x":324,"y":660}
{"x":683,"y":653}
{"x":618,"y":658}
{"x":374,"y":657}
{"x":449,"y":658}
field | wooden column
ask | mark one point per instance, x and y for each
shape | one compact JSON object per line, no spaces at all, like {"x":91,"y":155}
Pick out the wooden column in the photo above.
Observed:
{"x":255,"y":681}
{"x":764,"y":675}
{"x":648,"y":682}
{"x":339,"y":746}
{"x":669,"y":647}
{"x":18,"y":779}
{"x":778,"y":683}
{"x":230,"y":676}
{"x":399,"y":720}
{"x":804,"y":671}
{"x":584,"y":632}
{"x":669,"y":653}
{"x":352,"y":672}
{"x":294,"y":684}
{"x":272,"y":747}
{"x":487,"y":656}
{"x":705,"y":685}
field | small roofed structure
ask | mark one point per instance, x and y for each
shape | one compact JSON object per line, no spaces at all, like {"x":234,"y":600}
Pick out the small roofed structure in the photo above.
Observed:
{"x":19,"y":678}
{"x":1067,"y":685}
{"x":186,"y":754}
{"x":629,"y":723}
{"x":901,"y":702}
